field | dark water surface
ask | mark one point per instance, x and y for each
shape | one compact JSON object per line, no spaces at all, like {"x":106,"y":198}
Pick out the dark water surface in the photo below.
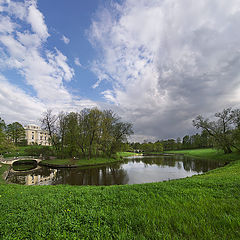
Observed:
{"x":134,"y":170}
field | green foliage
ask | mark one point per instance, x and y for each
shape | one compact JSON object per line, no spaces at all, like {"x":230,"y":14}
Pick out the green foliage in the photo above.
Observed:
{"x":5,"y":144}
{"x":201,"y":207}
{"x":222,"y":130}
{"x":15,"y":132}
{"x":44,"y":151}
{"x":148,"y":147}
{"x":89,"y":133}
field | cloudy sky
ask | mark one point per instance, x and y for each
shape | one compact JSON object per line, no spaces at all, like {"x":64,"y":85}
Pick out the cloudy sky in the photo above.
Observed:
{"x":156,"y":63}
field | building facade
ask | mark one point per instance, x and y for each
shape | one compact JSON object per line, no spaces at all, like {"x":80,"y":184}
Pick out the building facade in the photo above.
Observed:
{"x":35,"y":135}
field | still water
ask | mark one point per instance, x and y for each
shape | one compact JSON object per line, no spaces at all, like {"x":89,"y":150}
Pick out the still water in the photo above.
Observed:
{"x":134,"y":170}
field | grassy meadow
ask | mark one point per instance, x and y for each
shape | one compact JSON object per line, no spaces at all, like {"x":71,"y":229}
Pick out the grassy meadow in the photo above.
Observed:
{"x":200,"y":207}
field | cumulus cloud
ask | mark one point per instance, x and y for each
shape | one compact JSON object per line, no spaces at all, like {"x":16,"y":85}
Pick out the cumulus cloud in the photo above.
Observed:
{"x":65,"y":39}
{"x":23,"y":50}
{"x":18,"y":104}
{"x":168,"y":61}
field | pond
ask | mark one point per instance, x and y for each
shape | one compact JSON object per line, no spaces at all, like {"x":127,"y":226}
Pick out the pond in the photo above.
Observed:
{"x":134,"y":170}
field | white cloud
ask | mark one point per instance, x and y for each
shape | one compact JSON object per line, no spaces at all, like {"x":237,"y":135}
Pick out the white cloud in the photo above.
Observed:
{"x":36,"y":19}
{"x":168,"y":61}
{"x":77,"y":62}
{"x":16,"y":104}
{"x":6,"y":26}
{"x":23,"y":48}
{"x":65,"y":39}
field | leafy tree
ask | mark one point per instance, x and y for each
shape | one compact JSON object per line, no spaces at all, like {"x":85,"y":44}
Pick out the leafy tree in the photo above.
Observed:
{"x":220,"y":130}
{"x":158,"y":147}
{"x":5,"y":144}
{"x":15,"y":132}
{"x":70,"y":133}
{"x":89,"y":133}
{"x":169,"y":144}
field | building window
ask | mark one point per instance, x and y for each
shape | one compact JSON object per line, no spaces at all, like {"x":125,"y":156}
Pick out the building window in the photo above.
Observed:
{"x":32,"y":136}
{"x":40,"y":137}
{"x":45,"y":138}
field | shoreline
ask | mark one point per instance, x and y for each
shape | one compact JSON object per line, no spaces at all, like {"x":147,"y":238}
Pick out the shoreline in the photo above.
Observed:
{"x":200,"y":207}
{"x":51,"y":165}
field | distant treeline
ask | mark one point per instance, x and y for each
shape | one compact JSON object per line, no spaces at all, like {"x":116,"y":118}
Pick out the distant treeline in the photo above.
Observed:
{"x":202,"y":140}
{"x":223,"y":133}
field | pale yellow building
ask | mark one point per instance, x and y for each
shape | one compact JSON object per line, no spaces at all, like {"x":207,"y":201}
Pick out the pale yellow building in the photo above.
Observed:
{"x":35,"y":135}
{"x":41,"y":180}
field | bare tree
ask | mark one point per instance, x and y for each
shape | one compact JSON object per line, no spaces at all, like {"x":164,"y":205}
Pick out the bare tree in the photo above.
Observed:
{"x":48,"y":122}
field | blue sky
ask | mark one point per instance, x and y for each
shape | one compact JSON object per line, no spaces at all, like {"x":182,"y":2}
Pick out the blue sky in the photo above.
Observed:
{"x":73,"y":20}
{"x":157,"y":63}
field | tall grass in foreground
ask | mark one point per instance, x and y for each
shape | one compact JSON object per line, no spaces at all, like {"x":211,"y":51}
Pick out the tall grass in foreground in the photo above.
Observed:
{"x":201,"y":207}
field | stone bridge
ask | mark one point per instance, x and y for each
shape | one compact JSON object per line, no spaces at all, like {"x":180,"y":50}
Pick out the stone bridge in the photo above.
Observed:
{"x":10,"y":161}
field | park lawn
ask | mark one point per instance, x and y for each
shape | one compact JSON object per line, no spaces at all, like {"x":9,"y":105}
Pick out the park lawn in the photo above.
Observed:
{"x":127,"y":154}
{"x":80,"y":162}
{"x":209,"y":153}
{"x":200,"y":207}
{"x":87,"y":162}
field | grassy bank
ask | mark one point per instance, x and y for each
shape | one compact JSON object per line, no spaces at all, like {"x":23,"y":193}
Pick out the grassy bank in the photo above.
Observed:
{"x":86,"y":162}
{"x":201,"y":207}
{"x":209,"y":153}
{"x":3,"y":168}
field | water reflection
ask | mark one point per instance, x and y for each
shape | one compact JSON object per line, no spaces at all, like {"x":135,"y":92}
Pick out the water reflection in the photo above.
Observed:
{"x":132,"y":171}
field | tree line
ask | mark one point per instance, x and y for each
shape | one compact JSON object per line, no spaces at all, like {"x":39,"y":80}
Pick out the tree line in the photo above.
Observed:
{"x":222,"y":133}
{"x":94,"y":133}
{"x":202,"y":140}
{"x":88,"y":133}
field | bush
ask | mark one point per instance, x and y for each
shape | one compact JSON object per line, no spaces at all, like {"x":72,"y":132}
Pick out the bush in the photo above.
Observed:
{"x":44,"y":151}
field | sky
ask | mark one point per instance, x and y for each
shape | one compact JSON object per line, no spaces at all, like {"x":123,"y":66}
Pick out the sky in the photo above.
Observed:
{"x":157,"y":64}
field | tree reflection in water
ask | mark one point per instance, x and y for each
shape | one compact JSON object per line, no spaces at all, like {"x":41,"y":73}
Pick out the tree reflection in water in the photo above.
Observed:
{"x":132,"y":170}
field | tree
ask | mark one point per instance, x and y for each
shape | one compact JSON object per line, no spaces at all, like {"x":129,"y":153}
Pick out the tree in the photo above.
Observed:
{"x":70,"y":133}
{"x":89,"y":133}
{"x":222,"y":129}
{"x":158,"y":147}
{"x":48,"y":122}
{"x":15,"y":132}
{"x":2,"y":125}
{"x":178,"y":143}
{"x":113,"y":132}
{"x":5,"y":144}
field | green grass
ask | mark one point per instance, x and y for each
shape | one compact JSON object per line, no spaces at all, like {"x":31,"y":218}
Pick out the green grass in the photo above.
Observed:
{"x":126,"y":154}
{"x":209,"y":153}
{"x":81,"y":162}
{"x":201,"y":207}
{"x":87,"y":162}
{"x":3,"y":168}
